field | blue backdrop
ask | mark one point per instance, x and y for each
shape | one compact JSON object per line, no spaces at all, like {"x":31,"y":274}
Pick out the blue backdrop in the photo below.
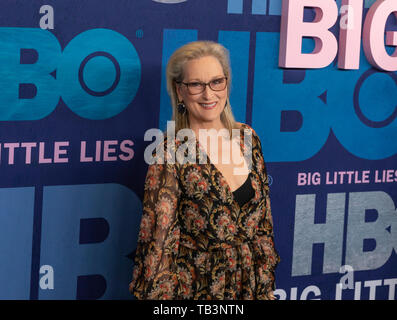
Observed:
{"x":81,"y":82}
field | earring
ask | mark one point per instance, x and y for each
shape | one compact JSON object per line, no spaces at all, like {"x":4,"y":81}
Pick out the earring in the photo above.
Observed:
{"x":181,"y":107}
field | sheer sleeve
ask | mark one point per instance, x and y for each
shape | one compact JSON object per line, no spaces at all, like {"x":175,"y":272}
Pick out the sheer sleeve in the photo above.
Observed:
{"x":154,"y":275}
{"x":264,"y":237}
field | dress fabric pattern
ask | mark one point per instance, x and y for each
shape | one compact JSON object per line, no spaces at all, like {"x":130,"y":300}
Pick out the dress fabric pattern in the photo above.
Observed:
{"x":196,"y":242}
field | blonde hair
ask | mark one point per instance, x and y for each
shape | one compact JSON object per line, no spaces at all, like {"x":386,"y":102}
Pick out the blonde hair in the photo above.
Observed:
{"x":174,"y":74}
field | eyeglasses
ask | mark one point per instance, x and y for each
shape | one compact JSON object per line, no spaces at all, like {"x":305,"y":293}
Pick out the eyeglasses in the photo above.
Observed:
{"x":197,"y":87}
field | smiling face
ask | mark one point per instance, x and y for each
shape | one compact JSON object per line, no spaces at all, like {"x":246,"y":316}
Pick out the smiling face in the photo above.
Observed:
{"x":204,"y":109}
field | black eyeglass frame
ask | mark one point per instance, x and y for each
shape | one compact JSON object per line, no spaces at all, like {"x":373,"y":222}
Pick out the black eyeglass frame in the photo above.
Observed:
{"x":203,"y":85}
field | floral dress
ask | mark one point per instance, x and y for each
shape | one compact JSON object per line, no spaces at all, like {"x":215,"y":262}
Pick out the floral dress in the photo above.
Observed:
{"x":195,"y":242}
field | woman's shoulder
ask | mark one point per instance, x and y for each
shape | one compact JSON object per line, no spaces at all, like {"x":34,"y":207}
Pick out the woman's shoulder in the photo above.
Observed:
{"x":256,"y":141}
{"x":242,"y":125}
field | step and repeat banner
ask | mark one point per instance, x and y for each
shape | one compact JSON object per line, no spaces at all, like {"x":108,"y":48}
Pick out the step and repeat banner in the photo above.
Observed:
{"x":82,"y":81}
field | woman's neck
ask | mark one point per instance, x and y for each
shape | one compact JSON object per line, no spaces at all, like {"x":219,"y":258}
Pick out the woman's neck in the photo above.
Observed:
{"x":196,"y":127}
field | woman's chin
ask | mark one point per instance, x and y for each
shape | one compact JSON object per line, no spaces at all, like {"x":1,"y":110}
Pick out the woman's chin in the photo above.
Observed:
{"x":211,"y":117}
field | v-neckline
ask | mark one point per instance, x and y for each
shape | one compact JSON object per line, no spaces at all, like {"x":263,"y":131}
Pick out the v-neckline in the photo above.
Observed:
{"x":229,"y":190}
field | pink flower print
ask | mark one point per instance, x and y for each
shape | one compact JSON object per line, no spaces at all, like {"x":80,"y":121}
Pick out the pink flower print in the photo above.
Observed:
{"x":203,"y":185}
{"x":164,"y":205}
{"x":200,"y":223}
{"x":223,"y":220}
{"x":218,"y":285}
{"x":144,"y":235}
{"x":152,"y":183}
{"x":185,"y":281}
{"x":232,"y":228}
{"x":231,"y":258}
{"x":193,"y":176}
{"x":150,"y":265}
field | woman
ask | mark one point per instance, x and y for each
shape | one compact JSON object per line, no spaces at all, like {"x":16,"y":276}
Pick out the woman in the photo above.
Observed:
{"x":206,"y":232}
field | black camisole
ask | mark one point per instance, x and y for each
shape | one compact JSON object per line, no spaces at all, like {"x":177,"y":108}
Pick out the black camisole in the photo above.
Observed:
{"x":244,"y":193}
